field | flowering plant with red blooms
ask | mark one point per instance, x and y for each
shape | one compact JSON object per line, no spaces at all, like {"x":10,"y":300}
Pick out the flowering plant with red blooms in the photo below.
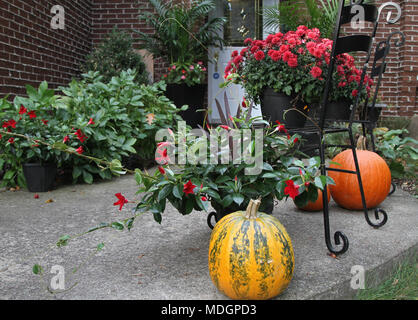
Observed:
{"x":296,"y":64}
{"x":189,"y":73}
{"x":32,"y":117}
{"x":303,"y":181}
{"x":226,"y":187}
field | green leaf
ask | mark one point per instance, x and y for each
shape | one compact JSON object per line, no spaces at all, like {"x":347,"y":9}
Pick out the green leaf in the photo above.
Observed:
{"x":164,"y":192}
{"x":87,"y":177}
{"x":37,"y":269}
{"x":238,"y":198}
{"x":63,"y":241}
{"x":100,"y":246}
{"x":227,"y":201}
{"x":138,"y":176}
{"x":178,"y":191}
{"x":157,"y":216}
{"x":301,"y":200}
{"x":117,"y":226}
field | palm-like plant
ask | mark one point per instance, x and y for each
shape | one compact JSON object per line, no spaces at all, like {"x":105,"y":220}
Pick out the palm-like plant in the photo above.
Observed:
{"x":182,"y":30}
{"x":320,"y":14}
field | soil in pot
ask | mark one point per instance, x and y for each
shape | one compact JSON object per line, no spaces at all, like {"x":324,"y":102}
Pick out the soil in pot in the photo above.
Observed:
{"x":194,"y":97}
{"x":274,"y":106}
{"x":39,"y":178}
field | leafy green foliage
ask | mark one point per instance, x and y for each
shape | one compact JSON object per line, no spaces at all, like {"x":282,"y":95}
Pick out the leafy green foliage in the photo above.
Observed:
{"x":116,"y":54}
{"x":399,"y":151}
{"x":181,"y":32}
{"x":288,"y":15}
{"x":226,"y":186}
{"x":126,"y":117}
{"x":34,"y":116}
{"x":109,"y":120}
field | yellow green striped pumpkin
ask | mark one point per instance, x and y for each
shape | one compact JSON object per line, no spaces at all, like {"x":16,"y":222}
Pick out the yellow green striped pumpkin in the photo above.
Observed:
{"x":250,"y":255}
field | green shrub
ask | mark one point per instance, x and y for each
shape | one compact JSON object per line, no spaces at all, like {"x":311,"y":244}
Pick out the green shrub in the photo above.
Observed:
{"x":35,"y":117}
{"x":114,"y":55}
{"x":108,"y":120}
{"x":126,"y":116}
{"x":399,"y":151}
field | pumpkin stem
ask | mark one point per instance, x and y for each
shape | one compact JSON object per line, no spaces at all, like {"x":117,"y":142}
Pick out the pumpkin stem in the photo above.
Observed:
{"x":361,"y":143}
{"x":252,"y":209}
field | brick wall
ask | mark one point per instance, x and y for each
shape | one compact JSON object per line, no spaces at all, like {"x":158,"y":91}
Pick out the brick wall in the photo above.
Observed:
{"x":31,"y":51}
{"x":122,"y":14}
{"x":399,"y":88}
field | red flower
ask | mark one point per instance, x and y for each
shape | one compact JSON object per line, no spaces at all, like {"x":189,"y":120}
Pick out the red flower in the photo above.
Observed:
{"x":296,"y":140}
{"x":316,"y":72}
{"x":259,"y":55}
{"x":248,"y":40}
{"x":1,"y":136}
{"x":189,"y":187}
{"x":11,"y":140}
{"x":80,"y":135}
{"x":225,"y":127}
{"x":66,"y":139}
{"x":91,"y":121}
{"x":291,"y":190}
{"x":164,"y":159}
{"x":204,"y":199}
{"x":36,"y":196}
{"x":22,"y":110}
{"x":234,"y":53}
{"x":80,"y":150}
{"x":10,"y":123}
{"x":161,"y":169}
{"x":121,"y":202}
{"x":293,"y":62}
{"x":32,"y":114}
{"x":354,"y":93}
{"x":45,"y":121}
{"x":275,"y":55}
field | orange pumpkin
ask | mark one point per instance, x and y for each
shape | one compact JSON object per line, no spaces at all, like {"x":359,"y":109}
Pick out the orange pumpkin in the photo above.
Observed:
{"x":375,"y":176}
{"x":317,"y":205}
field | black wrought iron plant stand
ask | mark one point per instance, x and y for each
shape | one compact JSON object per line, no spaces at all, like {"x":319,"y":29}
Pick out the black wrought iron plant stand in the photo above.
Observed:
{"x":366,"y":115}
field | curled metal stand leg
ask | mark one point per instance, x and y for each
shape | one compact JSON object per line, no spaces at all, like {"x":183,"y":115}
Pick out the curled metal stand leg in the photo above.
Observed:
{"x":393,"y":189}
{"x":209,"y":219}
{"x":363,"y":197}
{"x":376,"y":215}
{"x":339,"y":237}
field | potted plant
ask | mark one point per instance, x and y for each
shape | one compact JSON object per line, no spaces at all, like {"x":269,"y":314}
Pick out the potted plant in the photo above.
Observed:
{"x":288,"y":71}
{"x":181,"y":37}
{"x":27,"y":161}
{"x":186,"y":87}
{"x":229,"y":186}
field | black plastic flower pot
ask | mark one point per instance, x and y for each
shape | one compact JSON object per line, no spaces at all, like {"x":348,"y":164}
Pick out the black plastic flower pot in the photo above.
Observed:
{"x":194,"y":97}
{"x":267,"y":205}
{"x":39,"y":178}
{"x":338,"y":110}
{"x":373,"y":113}
{"x":274,"y":106}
